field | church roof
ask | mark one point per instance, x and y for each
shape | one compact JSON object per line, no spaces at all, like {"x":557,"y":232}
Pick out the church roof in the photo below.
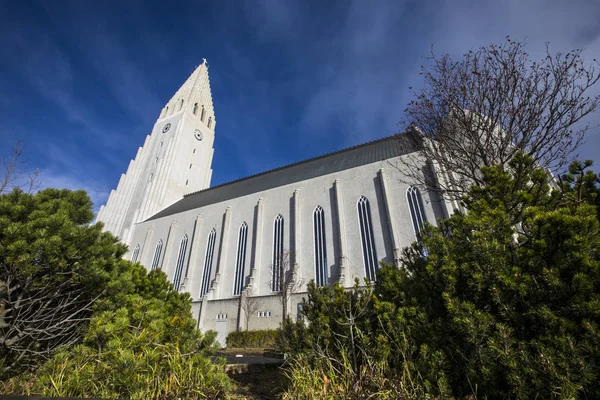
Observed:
{"x":366,"y":153}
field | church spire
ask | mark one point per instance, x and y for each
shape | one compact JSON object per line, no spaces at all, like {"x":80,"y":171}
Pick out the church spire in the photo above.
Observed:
{"x":193,"y":96}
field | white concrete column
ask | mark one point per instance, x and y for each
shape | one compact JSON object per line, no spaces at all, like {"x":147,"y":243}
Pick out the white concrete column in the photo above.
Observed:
{"x":215,"y":290}
{"x":297,"y":235}
{"x":196,"y":243}
{"x":254,"y":280}
{"x":339,"y":202}
{"x":155,"y":196}
{"x":146,"y":249}
{"x":202,"y":313}
{"x":391,"y":214}
{"x":108,"y":211}
{"x":171,"y":245}
{"x":130,"y":183}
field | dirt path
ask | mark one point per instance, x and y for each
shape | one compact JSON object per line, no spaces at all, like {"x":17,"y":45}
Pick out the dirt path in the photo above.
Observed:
{"x":266,"y":384}
{"x":256,"y":377}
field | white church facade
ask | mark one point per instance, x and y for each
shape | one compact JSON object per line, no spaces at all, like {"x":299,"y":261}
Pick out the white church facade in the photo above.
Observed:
{"x":338,"y":216}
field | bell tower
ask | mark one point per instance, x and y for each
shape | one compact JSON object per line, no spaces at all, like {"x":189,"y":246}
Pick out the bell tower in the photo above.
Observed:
{"x":175,"y":159}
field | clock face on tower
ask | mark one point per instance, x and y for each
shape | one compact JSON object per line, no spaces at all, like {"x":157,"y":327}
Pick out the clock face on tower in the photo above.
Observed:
{"x":166,"y":127}
{"x":198,"y":134}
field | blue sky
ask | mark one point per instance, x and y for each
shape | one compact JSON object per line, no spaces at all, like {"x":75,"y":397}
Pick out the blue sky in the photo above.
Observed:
{"x":82,"y":82}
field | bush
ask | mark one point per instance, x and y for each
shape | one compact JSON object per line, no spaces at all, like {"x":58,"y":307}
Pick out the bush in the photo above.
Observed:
{"x":500,"y":302}
{"x":141,"y":343}
{"x":253,"y":339}
{"x":53,"y":263}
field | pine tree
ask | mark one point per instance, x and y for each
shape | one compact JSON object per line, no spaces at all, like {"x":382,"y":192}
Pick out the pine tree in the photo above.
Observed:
{"x":53,"y":265}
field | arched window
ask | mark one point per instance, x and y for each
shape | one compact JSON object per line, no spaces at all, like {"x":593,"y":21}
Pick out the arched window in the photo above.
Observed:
{"x":136,"y":252}
{"x":180,"y":259}
{"x":180,"y":105}
{"x":366,"y":238}
{"x":417,"y":211}
{"x":195,"y":109}
{"x":167,"y":111}
{"x":277,"y":254}
{"x":157,"y":252}
{"x":209,"y":121}
{"x":321,"y":275}
{"x":240,"y":261}
{"x":208,"y":259}
{"x":202,"y":114}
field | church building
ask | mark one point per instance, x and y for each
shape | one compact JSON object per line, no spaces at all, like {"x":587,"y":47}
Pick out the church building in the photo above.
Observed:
{"x":332,"y":218}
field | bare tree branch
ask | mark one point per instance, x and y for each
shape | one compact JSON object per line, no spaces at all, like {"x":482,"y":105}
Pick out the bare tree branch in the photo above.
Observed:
{"x":250,"y":305}
{"x":284,"y":279}
{"x":481,"y":110}
{"x":16,"y":172}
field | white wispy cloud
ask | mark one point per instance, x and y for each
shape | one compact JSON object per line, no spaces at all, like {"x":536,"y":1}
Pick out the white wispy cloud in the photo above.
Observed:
{"x":96,"y":189}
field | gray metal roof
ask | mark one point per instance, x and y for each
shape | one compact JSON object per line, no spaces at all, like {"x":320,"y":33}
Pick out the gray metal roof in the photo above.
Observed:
{"x":370,"y":152}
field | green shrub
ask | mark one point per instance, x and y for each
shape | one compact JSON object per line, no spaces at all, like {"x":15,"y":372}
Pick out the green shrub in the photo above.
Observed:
{"x":253,"y":339}
{"x":141,"y":343}
{"x":53,"y":263}
{"x":500,"y":302}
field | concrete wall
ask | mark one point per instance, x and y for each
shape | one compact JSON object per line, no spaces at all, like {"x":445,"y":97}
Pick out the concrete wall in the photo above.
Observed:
{"x":337,"y":193}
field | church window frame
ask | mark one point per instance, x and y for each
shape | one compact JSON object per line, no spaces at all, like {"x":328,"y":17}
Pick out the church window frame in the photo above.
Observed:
{"x":202,"y":113}
{"x":367,"y":238}
{"x":195,"y":110}
{"x":208,"y":261}
{"x":278,"y":235}
{"x":320,"y":247}
{"x":157,"y":253}
{"x":417,"y":211}
{"x":209,"y":122}
{"x":136,"y":253}
{"x":240,"y":261}
{"x":180,"y":260}
{"x":180,"y":105}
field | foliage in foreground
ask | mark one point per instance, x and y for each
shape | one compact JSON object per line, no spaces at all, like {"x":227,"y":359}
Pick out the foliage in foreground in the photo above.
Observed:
{"x":140,"y":344}
{"x":141,"y":341}
{"x":502,"y":302}
{"x":53,"y":265}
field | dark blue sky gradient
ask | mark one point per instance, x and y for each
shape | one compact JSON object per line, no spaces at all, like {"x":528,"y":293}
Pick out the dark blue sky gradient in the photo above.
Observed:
{"x":82,"y":82}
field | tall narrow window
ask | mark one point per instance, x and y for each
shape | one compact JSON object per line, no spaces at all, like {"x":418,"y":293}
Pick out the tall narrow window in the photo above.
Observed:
{"x":195,"y":109}
{"x":136,"y":253}
{"x":277,"y":254}
{"x":366,"y":238}
{"x":157,"y":252}
{"x":417,"y":211}
{"x":180,"y":259}
{"x":202,"y":114}
{"x":320,"y":249}
{"x":180,"y":105}
{"x":209,"y":121}
{"x":240,"y":261}
{"x":208,"y":259}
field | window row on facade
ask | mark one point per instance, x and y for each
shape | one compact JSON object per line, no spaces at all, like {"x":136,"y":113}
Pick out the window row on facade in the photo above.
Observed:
{"x":281,"y":262}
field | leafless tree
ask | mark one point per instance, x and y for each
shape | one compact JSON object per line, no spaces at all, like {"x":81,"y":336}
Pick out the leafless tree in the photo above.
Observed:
{"x":495,"y":101}
{"x":17,"y":172}
{"x":284,"y":279}
{"x":250,"y":306}
{"x":37,"y":318}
